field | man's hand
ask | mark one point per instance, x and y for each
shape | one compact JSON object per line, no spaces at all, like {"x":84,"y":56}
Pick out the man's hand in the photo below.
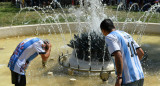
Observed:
{"x":49,"y":45}
{"x":118,"y":82}
{"x":140,"y":53}
{"x":44,"y":63}
{"x":46,"y":55}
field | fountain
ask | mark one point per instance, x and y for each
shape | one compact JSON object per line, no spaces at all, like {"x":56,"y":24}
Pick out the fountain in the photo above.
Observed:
{"x":91,"y":54}
{"x":79,"y":23}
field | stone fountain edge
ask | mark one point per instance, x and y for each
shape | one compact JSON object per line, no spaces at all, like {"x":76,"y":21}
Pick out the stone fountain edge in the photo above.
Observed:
{"x":22,"y":30}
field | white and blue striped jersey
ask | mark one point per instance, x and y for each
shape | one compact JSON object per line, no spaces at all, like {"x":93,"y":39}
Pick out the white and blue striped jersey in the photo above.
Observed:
{"x":26,"y":51}
{"x":121,"y":41}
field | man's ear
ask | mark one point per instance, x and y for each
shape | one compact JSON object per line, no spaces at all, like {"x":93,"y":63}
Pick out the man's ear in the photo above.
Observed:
{"x":104,"y":32}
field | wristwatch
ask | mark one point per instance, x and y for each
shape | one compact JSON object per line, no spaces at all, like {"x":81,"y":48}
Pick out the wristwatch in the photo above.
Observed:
{"x":119,"y":77}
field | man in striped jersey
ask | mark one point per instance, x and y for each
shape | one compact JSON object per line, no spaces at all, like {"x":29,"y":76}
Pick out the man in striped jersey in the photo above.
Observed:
{"x":26,"y":51}
{"x":127,"y":55}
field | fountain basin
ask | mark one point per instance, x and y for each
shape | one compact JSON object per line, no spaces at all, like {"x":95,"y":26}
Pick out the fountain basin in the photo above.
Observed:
{"x":38,"y":76}
{"x":12,"y":31}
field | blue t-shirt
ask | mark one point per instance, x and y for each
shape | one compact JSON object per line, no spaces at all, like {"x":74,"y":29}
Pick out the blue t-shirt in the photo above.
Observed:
{"x":122,"y":41}
{"x":26,"y":51}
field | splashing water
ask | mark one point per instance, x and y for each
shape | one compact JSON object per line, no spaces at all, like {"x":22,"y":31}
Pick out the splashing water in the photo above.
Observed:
{"x":92,"y":13}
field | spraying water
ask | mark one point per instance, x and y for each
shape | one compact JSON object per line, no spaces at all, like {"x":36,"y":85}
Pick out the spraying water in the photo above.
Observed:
{"x":92,"y":13}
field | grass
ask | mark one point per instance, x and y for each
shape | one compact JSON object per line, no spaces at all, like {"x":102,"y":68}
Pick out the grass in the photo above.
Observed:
{"x":9,"y":15}
{"x":7,"y":12}
{"x":123,"y":15}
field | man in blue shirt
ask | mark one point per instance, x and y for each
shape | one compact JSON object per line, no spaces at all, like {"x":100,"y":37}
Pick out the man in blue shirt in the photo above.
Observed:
{"x":25,"y":52}
{"x":127,"y":55}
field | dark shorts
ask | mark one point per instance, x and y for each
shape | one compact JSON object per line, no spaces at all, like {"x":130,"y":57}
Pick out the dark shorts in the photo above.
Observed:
{"x":136,"y":83}
{"x":17,"y":79}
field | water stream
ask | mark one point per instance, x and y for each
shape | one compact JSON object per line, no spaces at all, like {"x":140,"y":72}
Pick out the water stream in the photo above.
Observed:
{"x":92,"y":13}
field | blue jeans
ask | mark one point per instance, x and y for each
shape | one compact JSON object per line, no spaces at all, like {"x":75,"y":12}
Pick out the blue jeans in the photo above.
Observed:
{"x":136,"y":83}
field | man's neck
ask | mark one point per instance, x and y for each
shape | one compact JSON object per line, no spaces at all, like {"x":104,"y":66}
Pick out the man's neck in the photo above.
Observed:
{"x":111,"y":31}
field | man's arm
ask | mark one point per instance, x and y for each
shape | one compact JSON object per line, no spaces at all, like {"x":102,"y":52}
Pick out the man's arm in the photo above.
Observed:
{"x":140,"y":53}
{"x":119,"y":67}
{"x":47,"y":54}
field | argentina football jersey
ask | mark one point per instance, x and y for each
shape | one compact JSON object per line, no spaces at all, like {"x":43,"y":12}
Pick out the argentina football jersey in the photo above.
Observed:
{"x":121,"y":41}
{"x":26,"y":51}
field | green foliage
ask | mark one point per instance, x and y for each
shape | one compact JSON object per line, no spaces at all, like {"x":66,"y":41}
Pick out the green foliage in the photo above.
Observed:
{"x":7,"y":7}
{"x":9,"y":15}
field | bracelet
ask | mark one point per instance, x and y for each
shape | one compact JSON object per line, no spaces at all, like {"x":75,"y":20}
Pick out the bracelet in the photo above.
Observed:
{"x":119,"y":77}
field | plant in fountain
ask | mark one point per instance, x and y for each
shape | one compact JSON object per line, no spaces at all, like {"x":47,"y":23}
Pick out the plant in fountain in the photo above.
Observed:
{"x":81,"y":46}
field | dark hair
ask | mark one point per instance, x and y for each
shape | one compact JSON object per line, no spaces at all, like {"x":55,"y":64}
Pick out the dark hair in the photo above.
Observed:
{"x":46,"y":41}
{"x":107,"y":25}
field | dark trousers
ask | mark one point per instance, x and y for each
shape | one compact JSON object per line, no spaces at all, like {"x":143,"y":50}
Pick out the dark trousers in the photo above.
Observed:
{"x":136,"y":83}
{"x":17,"y":79}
